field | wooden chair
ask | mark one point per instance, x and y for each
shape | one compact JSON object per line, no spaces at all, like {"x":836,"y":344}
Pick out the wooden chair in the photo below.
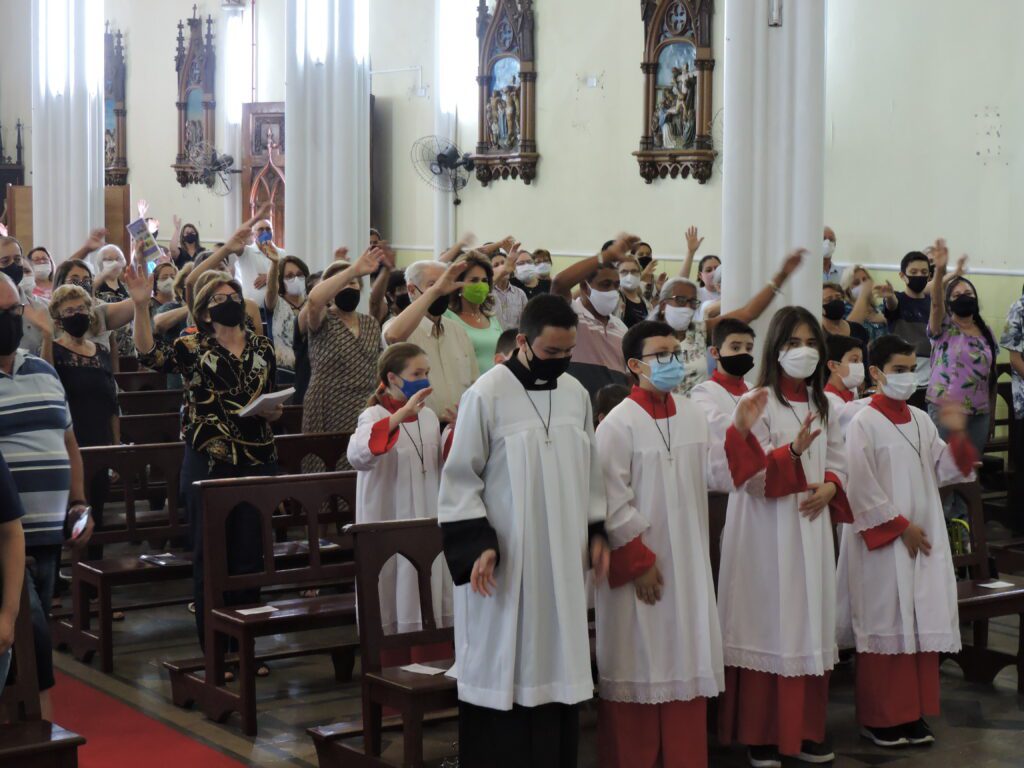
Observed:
{"x":150,"y":401}
{"x":412,"y":694}
{"x":978,"y":604}
{"x":20,"y":698}
{"x":151,"y":428}
{"x":224,"y":623}
{"x":140,"y":381}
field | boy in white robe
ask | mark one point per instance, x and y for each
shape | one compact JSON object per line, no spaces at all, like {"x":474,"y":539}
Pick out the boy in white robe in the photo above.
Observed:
{"x":845,"y":375}
{"x":732,"y":350}
{"x":521,"y":507}
{"x":659,"y":649}
{"x":396,"y":451}
{"x":898,"y":581}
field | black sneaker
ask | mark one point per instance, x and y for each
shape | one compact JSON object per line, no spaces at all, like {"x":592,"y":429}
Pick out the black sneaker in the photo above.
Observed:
{"x":813,"y":752}
{"x":918,"y":733}
{"x":764,"y":757}
{"x":886,"y":737}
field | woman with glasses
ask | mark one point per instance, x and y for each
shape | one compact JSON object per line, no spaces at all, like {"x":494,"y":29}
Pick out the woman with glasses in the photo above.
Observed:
{"x":678,"y":302}
{"x":43,"y":270}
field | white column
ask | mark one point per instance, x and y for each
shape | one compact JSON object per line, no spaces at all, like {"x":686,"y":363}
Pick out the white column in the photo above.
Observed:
{"x":327,"y":121}
{"x":67,"y":123}
{"x":773,"y":149}
{"x":234,"y":88}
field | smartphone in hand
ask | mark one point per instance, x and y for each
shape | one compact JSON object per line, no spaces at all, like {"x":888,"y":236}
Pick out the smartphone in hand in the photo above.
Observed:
{"x":83,"y":520}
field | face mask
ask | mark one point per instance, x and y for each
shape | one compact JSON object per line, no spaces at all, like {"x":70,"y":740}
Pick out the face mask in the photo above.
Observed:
{"x":917,"y":283}
{"x":828,"y":248}
{"x":15,"y":271}
{"x":716,"y":278}
{"x":736,"y":365}
{"x":229,"y":313}
{"x":166,"y":285}
{"x":964,"y":305}
{"x":526,"y":272}
{"x":855,"y":377}
{"x":402,"y":301}
{"x":113,"y":265}
{"x":76,"y":325}
{"x":10,"y":333}
{"x":800,"y":362}
{"x":85,"y":285}
{"x":28,"y":282}
{"x":439,"y":307}
{"x":476,"y":293}
{"x":264,"y":237}
{"x":707,"y":278}
{"x":295,"y":286}
{"x":410,"y":388}
{"x":834,"y":309}
{"x":900,"y":386}
{"x":543,"y":269}
{"x":644,"y":261}
{"x":549,"y":369}
{"x":629,"y":282}
{"x":191,"y":238}
{"x":347,"y":300}
{"x":678,"y":317}
{"x":604,"y":302}
{"x":666,"y":376}
{"x":41,"y":271}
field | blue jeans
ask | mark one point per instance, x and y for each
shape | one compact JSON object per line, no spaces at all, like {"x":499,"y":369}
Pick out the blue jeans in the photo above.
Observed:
{"x":5,"y":664}
{"x":977,"y":433}
{"x":40,"y":578}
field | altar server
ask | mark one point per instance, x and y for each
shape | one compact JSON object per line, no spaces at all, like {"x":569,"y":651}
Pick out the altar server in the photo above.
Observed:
{"x":845,"y":377}
{"x":732,"y":349}
{"x":898,"y":581}
{"x":777,"y":578}
{"x":659,"y":648}
{"x":522,"y":506}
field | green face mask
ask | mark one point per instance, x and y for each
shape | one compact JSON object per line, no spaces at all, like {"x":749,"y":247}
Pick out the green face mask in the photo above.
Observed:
{"x":476,"y":293}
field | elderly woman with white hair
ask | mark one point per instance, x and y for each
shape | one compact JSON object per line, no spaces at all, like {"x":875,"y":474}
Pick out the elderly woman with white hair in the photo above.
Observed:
{"x":862,"y":296}
{"x":108,"y":265}
{"x":677,"y":305}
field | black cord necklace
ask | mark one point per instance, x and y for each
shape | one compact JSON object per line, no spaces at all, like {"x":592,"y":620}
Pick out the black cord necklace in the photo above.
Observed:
{"x":545,"y":424}
{"x":917,"y":428}
{"x":418,"y":448}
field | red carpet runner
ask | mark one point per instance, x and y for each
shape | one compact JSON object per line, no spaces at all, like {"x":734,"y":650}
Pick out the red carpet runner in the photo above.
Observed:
{"x":121,"y":737}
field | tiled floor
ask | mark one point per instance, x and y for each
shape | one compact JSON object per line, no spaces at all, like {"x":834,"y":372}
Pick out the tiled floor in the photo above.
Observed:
{"x":981,"y":726}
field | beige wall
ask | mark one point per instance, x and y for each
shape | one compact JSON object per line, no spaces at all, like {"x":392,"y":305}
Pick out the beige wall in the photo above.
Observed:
{"x":16,"y":74}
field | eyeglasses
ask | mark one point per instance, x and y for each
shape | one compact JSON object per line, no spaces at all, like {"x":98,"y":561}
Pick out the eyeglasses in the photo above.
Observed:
{"x":6,"y":261}
{"x":220,"y":298}
{"x":72,"y":311}
{"x":18,"y":310}
{"x":261,"y":230}
{"x":665,"y":357}
{"x":682,"y":301}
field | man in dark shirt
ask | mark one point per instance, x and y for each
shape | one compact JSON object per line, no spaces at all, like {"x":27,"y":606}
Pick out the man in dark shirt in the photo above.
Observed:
{"x":907,"y":312}
{"x":12,"y":564}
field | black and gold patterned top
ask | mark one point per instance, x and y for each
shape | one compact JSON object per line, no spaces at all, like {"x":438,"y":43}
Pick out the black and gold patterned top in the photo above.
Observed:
{"x":217,"y":386}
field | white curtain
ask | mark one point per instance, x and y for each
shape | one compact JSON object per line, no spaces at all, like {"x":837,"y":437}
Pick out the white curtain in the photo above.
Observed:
{"x":327,"y":119}
{"x":67,"y":122}
{"x":774,"y":149}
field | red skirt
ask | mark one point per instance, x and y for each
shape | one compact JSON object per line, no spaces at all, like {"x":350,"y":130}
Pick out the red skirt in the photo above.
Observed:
{"x":653,"y":735}
{"x":896,"y":689}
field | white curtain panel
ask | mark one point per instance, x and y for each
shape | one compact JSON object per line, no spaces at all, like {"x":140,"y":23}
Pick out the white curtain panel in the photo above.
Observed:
{"x":67,"y":122}
{"x":327,"y":118}
{"x":774,"y":149}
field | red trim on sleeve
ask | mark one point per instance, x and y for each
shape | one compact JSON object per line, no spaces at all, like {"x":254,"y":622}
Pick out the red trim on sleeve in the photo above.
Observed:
{"x":964,"y":453}
{"x":840,"y":505}
{"x":886,"y":533}
{"x":381,"y":439}
{"x":745,"y":456}
{"x":784,"y":475}
{"x":447,"y":447}
{"x":629,"y":561}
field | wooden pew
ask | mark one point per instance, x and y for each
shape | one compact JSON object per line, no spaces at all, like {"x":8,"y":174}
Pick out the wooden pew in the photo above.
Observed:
{"x":413,"y":695}
{"x":228,"y":623}
{"x":166,"y":427}
{"x":150,"y":401}
{"x":140,"y":381}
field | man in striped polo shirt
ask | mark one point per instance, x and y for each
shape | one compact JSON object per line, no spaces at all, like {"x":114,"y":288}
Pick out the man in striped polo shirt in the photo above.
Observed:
{"x":38,"y":444}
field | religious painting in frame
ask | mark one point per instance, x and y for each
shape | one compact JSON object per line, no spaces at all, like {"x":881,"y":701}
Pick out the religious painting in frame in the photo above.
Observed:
{"x":115,"y":142}
{"x":196,"y":63}
{"x":677,"y":70}
{"x":507,"y":77}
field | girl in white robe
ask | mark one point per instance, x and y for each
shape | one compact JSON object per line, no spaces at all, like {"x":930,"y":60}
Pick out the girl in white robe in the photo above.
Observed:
{"x":777,"y":577}
{"x":396,"y":450}
{"x":898,"y":599}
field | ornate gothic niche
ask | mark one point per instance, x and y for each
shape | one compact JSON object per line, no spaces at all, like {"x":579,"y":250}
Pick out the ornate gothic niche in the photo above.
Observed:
{"x":115,"y":140}
{"x":677,"y":69}
{"x":507,"y":144}
{"x":196,"y":64}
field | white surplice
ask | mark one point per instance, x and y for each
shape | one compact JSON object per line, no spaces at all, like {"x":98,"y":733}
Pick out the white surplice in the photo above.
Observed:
{"x":777,"y":579}
{"x":670,"y":651}
{"x":718,"y":404}
{"x":527,"y":643}
{"x":395,"y":486}
{"x":845,"y":410}
{"x":889,"y":602}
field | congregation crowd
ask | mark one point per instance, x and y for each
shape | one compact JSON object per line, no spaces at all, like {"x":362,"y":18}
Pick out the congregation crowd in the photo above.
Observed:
{"x":565,"y":428}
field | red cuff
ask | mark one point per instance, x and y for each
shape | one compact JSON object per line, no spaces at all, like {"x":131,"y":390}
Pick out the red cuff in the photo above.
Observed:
{"x":964,"y":453}
{"x":840,"y":505}
{"x":745,"y":456}
{"x":628,"y":562}
{"x":447,"y":447}
{"x":784,"y":475}
{"x":382,"y":439}
{"x":886,"y":533}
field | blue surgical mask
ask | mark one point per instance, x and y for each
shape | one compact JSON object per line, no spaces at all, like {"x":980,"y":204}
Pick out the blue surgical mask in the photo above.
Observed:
{"x":667,"y":376}
{"x":410,"y":388}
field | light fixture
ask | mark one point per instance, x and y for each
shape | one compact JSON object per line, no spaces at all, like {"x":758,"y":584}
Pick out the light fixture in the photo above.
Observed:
{"x":774,"y":13}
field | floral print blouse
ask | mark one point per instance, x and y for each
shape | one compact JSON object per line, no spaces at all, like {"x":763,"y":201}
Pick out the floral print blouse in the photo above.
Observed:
{"x":961,"y":368}
{"x":1013,"y":340}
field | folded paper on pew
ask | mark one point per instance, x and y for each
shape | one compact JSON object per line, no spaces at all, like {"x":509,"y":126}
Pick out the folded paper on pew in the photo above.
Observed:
{"x":256,"y":611}
{"x":163,"y":558}
{"x":264,"y":404}
{"x":423,"y":669}
{"x":996,"y":585}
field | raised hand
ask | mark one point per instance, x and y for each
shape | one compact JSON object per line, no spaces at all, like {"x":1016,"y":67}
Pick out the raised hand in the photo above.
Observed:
{"x":952,"y":417}
{"x":340,"y":253}
{"x":815,"y":504}
{"x":97,"y":239}
{"x":138,"y":283}
{"x":481,"y":580}
{"x":648,"y":585}
{"x":692,"y":241}
{"x":916,"y":541}
{"x":237,"y":242}
{"x":961,"y":264}
{"x":884,"y":291}
{"x":940,"y":255}
{"x":367,"y":263}
{"x":622,"y":245}
{"x":143,"y":206}
{"x":260,"y":282}
{"x":415,"y":404}
{"x":792,"y":262}
{"x":3,"y":230}
{"x":449,"y":281}
{"x":660,"y":283}
{"x":749,"y":409}
{"x":805,"y":436}
{"x":648,"y":272}
{"x":176,"y":222}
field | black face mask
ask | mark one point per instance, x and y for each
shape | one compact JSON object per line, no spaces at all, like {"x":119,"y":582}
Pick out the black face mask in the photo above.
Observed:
{"x":439,"y":307}
{"x":917,"y":283}
{"x":834,"y":309}
{"x":964,"y":305}
{"x":191,"y":238}
{"x":229,"y":313}
{"x":347,"y":300}
{"x":10,"y":332}
{"x":85,"y":285}
{"x":76,"y":325}
{"x":736,"y":365}
{"x":402,"y":301}
{"x":643,"y":261}
{"x":549,"y":369}
{"x":14,"y":271}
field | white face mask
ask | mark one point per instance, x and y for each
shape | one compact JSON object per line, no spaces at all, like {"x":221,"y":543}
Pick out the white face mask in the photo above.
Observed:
{"x":799,"y":362}
{"x":166,"y":285}
{"x":855,"y":377}
{"x":41,"y":271}
{"x":828,"y":248}
{"x":543,"y":269}
{"x":28,"y":282}
{"x":855,"y":292}
{"x":629,"y":282}
{"x":526,"y":272}
{"x":295,"y":286}
{"x":604,"y":302}
{"x":900,"y":386}
{"x":112,"y":265}
{"x":679,"y":317}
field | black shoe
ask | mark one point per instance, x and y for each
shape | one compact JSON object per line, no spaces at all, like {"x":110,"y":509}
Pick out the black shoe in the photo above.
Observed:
{"x":918,"y":733}
{"x":886,"y":737}
{"x":813,"y":752}
{"x":764,"y":757}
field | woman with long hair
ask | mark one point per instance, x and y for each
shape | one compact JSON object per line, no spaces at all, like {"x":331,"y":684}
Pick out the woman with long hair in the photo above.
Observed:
{"x":861,"y":296}
{"x":285,"y":297}
{"x":184,"y":245}
{"x":43,"y":269}
{"x":473,"y":308}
